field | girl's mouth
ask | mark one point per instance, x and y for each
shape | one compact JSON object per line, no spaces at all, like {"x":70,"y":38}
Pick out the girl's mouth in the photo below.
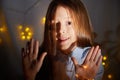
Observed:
{"x":62,"y":40}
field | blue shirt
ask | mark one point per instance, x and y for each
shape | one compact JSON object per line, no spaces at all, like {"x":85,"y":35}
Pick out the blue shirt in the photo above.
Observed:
{"x":80,"y":55}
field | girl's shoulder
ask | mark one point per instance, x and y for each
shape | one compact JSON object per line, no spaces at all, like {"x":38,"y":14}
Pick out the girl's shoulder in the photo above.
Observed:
{"x":85,"y":51}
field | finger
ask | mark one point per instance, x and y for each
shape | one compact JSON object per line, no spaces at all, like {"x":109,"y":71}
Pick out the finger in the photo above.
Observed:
{"x":24,"y":57}
{"x":97,"y":56}
{"x":23,"y":52}
{"x":89,"y":54}
{"x":99,"y":61}
{"x":75,"y":62}
{"x":94,"y":53}
{"x":31,"y":49}
{"x":40,"y":61}
{"x":36,"y":49}
{"x":31,"y":46}
{"x":27,"y":51}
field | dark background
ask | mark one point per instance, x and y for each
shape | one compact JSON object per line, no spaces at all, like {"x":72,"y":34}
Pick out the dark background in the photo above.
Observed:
{"x":105,"y":18}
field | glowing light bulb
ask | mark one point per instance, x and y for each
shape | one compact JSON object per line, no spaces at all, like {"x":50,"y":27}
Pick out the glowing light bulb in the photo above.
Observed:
{"x":29,"y":33}
{"x":76,"y":75}
{"x":103,"y":63}
{"x":2,"y":29}
{"x":20,"y":27}
{"x":109,"y":76}
{"x":104,"y":58}
{"x":43,"y":20}
{"x":27,"y":29}
{"x":22,"y":33}
{"x":84,"y":66}
{"x":28,"y":37}
{"x":23,"y":37}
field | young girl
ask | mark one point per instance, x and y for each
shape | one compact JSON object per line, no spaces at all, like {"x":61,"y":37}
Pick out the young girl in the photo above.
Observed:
{"x":68,"y":43}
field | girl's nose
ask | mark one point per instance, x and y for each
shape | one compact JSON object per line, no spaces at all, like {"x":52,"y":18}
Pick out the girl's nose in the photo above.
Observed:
{"x":60,"y":28}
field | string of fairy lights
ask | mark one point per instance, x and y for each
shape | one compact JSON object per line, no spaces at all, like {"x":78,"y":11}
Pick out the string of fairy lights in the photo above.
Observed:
{"x":105,"y":63}
{"x":26,"y":32}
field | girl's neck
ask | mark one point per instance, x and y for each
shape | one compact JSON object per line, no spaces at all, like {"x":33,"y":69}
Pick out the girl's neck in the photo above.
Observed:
{"x":68,"y":51}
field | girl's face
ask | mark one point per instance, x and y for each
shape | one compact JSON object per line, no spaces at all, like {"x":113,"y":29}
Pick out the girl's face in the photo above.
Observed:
{"x":65,"y":33}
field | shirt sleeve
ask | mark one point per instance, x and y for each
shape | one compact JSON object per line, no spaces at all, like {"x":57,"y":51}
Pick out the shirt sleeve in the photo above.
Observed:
{"x":100,"y":73}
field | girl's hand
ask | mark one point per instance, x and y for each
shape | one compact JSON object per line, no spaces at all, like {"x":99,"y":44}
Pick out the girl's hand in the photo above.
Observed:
{"x":30,"y":61}
{"x":90,"y":66}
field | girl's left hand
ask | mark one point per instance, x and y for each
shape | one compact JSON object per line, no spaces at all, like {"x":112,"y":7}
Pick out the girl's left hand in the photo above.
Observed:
{"x":89,"y":68}
{"x":30,"y":60}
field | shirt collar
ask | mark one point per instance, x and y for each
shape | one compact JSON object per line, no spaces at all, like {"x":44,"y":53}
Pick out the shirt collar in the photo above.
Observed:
{"x":78,"y":53}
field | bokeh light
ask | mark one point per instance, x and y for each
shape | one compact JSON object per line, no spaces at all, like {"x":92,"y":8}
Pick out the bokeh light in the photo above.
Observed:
{"x":2,"y":29}
{"x":43,"y":20}
{"x":104,"y":58}
{"x":27,"y":29}
{"x":103,"y":63}
{"x":85,"y":66}
{"x":25,"y":32}
{"x":20,"y":27}
{"x":109,"y":76}
{"x":29,"y":33}
{"x":23,"y":37}
{"x":22,"y":33}
{"x":28,"y":37}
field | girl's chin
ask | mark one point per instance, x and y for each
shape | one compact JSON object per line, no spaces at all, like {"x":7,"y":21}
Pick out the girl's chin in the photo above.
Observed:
{"x":65,"y":49}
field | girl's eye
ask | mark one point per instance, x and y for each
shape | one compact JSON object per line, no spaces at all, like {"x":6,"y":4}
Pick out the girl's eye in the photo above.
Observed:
{"x":69,"y":23}
{"x":57,"y":24}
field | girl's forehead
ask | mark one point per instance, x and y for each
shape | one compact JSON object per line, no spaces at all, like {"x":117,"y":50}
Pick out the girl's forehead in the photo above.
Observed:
{"x":62,"y":13}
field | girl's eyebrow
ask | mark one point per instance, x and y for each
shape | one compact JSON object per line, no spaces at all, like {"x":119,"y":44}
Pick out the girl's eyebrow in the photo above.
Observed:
{"x":56,"y":20}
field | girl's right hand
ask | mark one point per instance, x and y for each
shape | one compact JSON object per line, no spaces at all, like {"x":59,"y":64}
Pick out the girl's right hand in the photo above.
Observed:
{"x":88,"y":70}
{"x":31,"y":63}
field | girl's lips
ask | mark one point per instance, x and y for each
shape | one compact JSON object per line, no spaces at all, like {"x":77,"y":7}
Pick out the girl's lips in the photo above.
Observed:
{"x":62,"y":39}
